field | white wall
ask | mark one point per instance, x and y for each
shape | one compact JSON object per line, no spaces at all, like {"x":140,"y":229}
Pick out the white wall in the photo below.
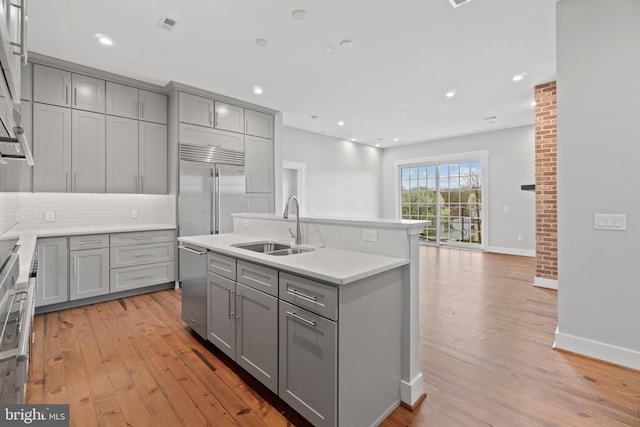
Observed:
{"x":511,"y":164}
{"x":598,"y":62}
{"x":342,"y":177}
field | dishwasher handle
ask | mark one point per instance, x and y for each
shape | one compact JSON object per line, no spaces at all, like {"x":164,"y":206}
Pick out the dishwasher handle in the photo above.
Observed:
{"x":193,"y":251}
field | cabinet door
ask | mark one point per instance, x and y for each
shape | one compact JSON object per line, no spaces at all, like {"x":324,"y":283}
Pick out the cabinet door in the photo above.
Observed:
{"x":258,"y":124}
{"x":195,"y":110}
{"x":122,"y":155}
{"x":51,"y":86}
{"x":27,"y":122}
{"x":122,"y":100}
{"x":308,"y":364}
{"x":88,"y":152}
{"x":52,"y":284}
{"x":198,"y":135}
{"x":153,"y":107}
{"x":88,"y":93}
{"x":152,"y":158}
{"x":229,"y":117}
{"x":221,"y":316}
{"x":259,"y":203}
{"x":51,"y":148}
{"x":89,"y":273}
{"x":259,"y":164}
{"x":257,"y":335}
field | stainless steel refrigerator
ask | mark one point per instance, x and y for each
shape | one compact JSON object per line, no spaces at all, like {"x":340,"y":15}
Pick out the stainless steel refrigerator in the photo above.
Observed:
{"x":212,"y":187}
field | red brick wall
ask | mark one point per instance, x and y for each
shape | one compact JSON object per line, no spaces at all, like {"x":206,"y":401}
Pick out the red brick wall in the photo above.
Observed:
{"x":546,"y":190}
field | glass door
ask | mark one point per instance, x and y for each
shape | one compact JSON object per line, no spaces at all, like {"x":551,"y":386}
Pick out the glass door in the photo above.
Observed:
{"x":450,"y":196}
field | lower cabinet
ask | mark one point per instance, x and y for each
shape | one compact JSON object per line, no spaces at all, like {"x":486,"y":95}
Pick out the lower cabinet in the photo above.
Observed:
{"x":243,"y":323}
{"x":52,"y":283}
{"x":89,"y":273}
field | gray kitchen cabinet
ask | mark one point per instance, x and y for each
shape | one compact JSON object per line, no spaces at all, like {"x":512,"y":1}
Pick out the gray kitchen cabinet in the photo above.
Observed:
{"x":152,"y":158}
{"x":89,"y":268}
{"x":52,"y":282}
{"x":195,"y":110}
{"x":26,"y":108}
{"x":88,"y":152}
{"x":259,"y":164}
{"x":88,"y":93}
{"x":257,"y":334}
{"x":199,"y":135}
{"x":51,"y":148}
{"x":259,"y":202}
{"x":26,"y":77}
{"x":258,"y":124}
{"x":51,"y":86}
{"x":221,"y":320}
{"x":122,"y":155}
{"x":228,"y":117}
{"x":134,"y":103}
{"x":308,"y":364}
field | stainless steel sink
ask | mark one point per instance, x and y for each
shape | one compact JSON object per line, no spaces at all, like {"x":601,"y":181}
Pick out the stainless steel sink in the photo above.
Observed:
{"x":272,"y":248}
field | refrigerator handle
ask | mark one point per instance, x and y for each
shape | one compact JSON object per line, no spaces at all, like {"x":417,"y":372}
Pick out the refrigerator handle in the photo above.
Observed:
{"x":216,"y":201}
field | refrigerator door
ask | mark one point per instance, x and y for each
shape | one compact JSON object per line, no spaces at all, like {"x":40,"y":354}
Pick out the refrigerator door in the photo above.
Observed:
{"x":196,"y":199}
{"x":230,"y":196}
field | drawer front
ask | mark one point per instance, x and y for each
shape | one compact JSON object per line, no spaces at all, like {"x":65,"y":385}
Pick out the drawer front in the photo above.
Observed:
{"x":222,"y":265}
{"x":142,"y":237}
{"x":313,"y":296}
{"x":94,"y":241}
{"x":262,"y":278}
{"x":126,"y":278}
{"x":125,"y":256}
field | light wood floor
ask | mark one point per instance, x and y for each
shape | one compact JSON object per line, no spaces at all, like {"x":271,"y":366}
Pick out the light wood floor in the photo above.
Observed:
{"x":486,"y":357}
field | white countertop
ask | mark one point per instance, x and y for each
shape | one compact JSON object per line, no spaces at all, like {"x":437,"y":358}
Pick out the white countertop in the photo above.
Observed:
{"x":28,"y":239}
{"x":372,"y":222}
{"x":331,"y":265}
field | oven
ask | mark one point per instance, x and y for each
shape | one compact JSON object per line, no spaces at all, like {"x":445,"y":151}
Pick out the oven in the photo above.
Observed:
{"x":17,"y":307}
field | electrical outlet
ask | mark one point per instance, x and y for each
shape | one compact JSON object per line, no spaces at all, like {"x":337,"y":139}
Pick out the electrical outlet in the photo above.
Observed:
{"x":370,"y":235}
{"x":50,"y":216}
{"x":506,"y":208}
{"x":520,"y":237}
{"x":134,"y":213}
{"x":245,"y":222}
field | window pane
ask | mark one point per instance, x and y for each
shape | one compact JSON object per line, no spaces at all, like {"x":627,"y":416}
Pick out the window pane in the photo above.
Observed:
{"x":444,"y":171}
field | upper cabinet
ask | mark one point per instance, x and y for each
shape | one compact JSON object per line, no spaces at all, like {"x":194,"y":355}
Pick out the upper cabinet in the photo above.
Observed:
{"x":133,"y":103}
{"x":66,"y":89}
{"x":13,"y":49}
{"x":258,"y":124}
{"x":229,"y":117}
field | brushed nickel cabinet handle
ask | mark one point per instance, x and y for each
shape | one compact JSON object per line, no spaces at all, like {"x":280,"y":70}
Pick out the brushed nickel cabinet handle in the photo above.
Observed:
{"x":300,"y":318}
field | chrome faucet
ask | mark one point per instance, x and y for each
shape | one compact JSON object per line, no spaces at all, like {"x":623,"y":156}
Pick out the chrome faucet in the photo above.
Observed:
{"x":285,"y":215}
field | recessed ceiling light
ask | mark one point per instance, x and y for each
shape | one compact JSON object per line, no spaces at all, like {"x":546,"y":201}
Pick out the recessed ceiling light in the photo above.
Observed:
{"x":450,"y":94}
{"x":353,"y":139}
{"x":262,"y":42}
{"x":396,"y":139}
{"x":518,"y":77}
{"x":327,"y":49}
{"x":377,"y":145}
{"x":346,"y":44}
{"x":340,"y":123}
{"x":103,"y":39}
{"x":257,"y":90}
{"x":299,"y":14}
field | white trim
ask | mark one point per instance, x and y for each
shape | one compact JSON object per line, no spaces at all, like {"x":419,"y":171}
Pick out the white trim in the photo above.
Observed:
{"x":541,"y":282}
{"x":301,"y":169}
{"x":411,"y":392}
{"x":598,"y":350}
{"x":511,"y":251}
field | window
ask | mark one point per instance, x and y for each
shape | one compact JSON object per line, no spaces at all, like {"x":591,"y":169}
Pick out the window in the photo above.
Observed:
{"x":450,"y":196}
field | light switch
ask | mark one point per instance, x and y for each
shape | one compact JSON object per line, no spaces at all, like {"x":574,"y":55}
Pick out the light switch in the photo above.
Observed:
{"x":370,"y":235}
{"x":134,"y":213}
{"x":610,"y":222}
{"x":50,"y":216}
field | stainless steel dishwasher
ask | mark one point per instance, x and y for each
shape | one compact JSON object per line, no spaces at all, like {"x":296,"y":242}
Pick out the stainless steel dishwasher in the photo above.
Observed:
{"x":193,"y":280}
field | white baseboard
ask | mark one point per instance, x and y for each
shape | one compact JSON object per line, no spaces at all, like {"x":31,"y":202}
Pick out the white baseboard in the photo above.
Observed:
{"x":511,"y":251}
{"x":598,"y":350}
{"x":411,"y":392}
{"x":541,"y":282}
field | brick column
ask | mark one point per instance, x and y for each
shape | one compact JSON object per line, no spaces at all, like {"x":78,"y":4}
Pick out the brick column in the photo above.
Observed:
{"x":546,"y":190}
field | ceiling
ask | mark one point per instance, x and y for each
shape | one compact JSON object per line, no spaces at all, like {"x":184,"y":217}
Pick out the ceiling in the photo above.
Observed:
{"x":390,"y":84}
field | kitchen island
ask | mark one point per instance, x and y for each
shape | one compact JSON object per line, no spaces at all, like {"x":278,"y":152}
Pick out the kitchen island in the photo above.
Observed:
{"x":325,"y":329}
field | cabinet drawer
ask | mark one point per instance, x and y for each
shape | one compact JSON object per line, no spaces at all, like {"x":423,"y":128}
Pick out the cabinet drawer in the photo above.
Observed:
{"x":88,"y":242}
{"x":222,"y":265}
{"x":125,"y":256}
{"x":199,"y":135}
{"x":126,"y":278}
{"x":313,"y":296}
{"x":262,"y":278}
{"x":142,"y":237}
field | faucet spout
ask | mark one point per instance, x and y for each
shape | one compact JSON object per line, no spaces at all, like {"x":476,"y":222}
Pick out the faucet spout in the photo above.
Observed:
{"x":285,"y":215}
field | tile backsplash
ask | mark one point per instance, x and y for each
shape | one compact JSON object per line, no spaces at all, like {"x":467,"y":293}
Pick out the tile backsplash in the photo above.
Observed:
{"x":79,"y":210}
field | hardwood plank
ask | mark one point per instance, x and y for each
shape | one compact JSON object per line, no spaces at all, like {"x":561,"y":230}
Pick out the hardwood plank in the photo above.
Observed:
{"x":35,"y":380}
